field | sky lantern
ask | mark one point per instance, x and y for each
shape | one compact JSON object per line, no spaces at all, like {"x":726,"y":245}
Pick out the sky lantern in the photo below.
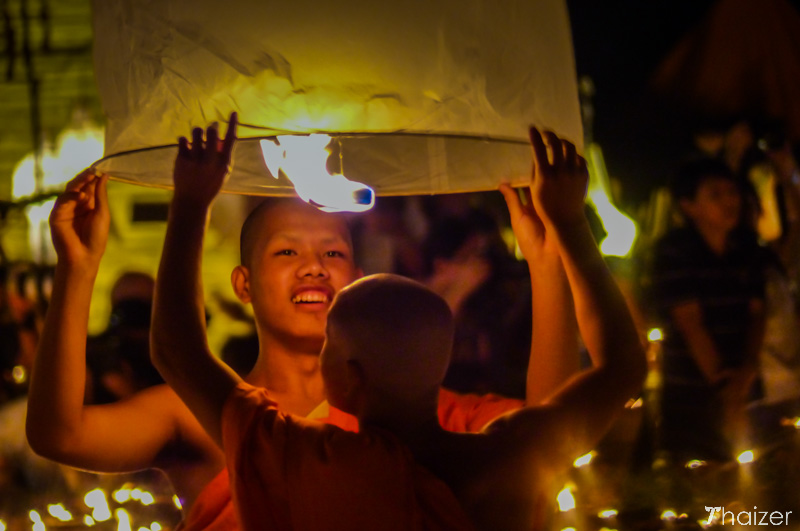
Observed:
{"x":415,"y":97}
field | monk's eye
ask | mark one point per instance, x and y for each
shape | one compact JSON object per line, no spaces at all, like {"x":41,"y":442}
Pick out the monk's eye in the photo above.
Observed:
{"x":335,"y":254}
{"x":285,"y":252}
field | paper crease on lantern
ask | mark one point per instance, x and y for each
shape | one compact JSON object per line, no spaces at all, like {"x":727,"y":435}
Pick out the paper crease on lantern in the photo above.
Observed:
{"x":419,"y":97}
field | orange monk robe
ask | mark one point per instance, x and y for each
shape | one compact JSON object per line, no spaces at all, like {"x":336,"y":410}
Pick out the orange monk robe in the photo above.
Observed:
{"x":291,"y":473}
{"x":213,"y":509}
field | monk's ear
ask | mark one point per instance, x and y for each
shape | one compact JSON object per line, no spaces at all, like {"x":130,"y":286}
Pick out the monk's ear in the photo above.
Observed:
{"x":240,"y":280}
{"x":359,"y":273}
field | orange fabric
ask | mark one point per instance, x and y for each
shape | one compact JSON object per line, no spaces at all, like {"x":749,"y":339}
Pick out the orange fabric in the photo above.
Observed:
{"x":213,"y":510}
{"x":291,"y":473}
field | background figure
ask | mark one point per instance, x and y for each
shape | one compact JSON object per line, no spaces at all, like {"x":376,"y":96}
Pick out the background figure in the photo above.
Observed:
{"x":119,"y":358}
{"x":488,"y":291}
{"x":707,"y":287}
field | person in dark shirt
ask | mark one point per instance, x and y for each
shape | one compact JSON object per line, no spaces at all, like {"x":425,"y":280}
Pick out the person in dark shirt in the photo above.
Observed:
{"x":707,"y":286}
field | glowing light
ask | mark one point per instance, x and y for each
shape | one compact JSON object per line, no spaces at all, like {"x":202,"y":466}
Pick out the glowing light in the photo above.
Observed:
{"x":60,"y":512}
{"x":793,"y":422}
{"x":123,"y":520}
{"x":303,"y":160}
{"x":654,"y":334}
{"x":669,"y":515}
{"x":620,"y":229}
{"x":566,"y":501}
{"x":142,"y":496}
{"x":38,"y":525}
{"x":19,"y":374}
{"x":568,"y":529}
{"x":695,"y":463}
{"x":584,"y":460}
{"x":122,"y":495}
{"x":2,"y":526}
{"x":608,"y":513}
{"x":96,"y":500}
{"x":88,"y":521}
{"x":634,"y":403}
{"x":177,"y":501}
{"x":155,"y":526}
{"x":746,"y":457}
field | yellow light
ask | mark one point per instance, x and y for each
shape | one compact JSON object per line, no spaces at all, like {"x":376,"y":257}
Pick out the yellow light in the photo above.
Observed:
{"x":146,"y":498}
{"x":123,"y":520}
{"x":96,"y":500}
{"x":568,"y":529}
{"x":122,"y":495}
{"x":654,"y":334}
{"x":566,"y":501}
{"x":607,"y":513}
{"x":88,"y":521}
{"x":793,"y":422}
{"x":669,"y":515}
{"x":634,"y":403}
{"x":177,"y":501}
{"x":60,"y":512}
{"x":38,"y":525}
{"x":746,"y":457}
{"x":584,"y":460}
{"x":155,"y":526}
{"x":19,"y":374}
{"x":2,"y":525}
{"x":695,"y":463}
{"x":303,"y":160}
{"x":620,"y":229}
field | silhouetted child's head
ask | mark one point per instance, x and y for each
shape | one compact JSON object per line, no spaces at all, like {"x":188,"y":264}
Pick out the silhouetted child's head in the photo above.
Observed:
{"x":708,"y":195}
{"x":388,"y":341}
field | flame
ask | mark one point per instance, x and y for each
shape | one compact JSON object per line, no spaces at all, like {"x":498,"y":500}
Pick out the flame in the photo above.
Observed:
{"x":634,"y":403}
{"x":669,"y":515}
{"x":177,"y":501}
{"x":303,"y":160}
{"x":58,"y":511}
{"x":123,"y":519}
{"x":2,"y":525}
{"x":746,"y":457}
{"x":583,"y":460}
{"x":655,"y":334}
{"x":96,"y":500}
{"x":155,"y":526}
{"x":608,"y":513}
{"x":122,"y":495}
{"x":695,"y":463}
{"x":38,"y":525}
{"x":88,"y":521}
{"x":620,"y":229}
{"x":566,"y":501}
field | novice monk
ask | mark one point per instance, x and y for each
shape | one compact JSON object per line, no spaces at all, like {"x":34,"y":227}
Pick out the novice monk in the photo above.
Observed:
{"x":154,"y":428}
{"x":387,"y":348}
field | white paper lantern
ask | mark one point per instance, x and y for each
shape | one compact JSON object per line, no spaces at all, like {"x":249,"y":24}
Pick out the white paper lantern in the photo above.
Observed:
{"x":419,"y":96}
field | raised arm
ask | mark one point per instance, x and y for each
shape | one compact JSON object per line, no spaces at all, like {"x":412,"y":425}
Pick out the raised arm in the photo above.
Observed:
{"x":112,"y":438}
{"x":581,"y":412}
{"x":178,"y":342}
{"x":554,"y":355}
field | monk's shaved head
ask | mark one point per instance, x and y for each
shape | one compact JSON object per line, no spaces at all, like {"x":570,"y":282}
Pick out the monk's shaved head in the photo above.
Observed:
{"x":398,"y":330}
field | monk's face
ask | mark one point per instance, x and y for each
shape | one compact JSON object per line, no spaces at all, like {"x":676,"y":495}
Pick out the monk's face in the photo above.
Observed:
{"x":302,"y":257}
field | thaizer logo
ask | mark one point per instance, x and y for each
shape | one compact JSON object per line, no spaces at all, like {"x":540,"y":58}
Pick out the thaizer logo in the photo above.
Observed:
{"x":755,"y":517}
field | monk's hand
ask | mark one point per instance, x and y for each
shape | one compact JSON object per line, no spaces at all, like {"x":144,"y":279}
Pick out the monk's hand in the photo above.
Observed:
{"x":528,"y":227}
{"x":80,"y":219}
{"x":203,"y":166}
{"x":559,"y":181}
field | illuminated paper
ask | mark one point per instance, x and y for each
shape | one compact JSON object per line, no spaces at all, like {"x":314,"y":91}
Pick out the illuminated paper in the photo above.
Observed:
{"x":420,"y":97}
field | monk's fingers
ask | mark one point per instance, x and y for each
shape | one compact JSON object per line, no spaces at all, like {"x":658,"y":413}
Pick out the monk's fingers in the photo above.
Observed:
{"x":230,"y":136}
{"x":570,"y":155}
{"x":538,"y":148}
{"x":197,"y":142}
{"x":212,"y":140}
{"x":80,"y":180}
{"x":512,"y":200}
{"x":554,"y":149}
{"x":183,"y":147}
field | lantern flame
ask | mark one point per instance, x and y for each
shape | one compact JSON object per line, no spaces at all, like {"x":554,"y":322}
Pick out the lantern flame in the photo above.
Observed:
{"x":584,"y":460}
{"x":566,"y":501}
{"x":746,"y":457}
{"x":620,"y":229}
{"x":96,"y":500}
{"x":303,"y":160}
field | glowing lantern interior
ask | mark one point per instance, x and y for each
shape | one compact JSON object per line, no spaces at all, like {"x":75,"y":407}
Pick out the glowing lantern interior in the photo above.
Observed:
{"x":430,"y":96}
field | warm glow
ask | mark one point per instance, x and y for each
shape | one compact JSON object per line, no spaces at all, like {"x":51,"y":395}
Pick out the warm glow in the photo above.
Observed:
{"x":793,"y":422}
{"x":303,"y":159}
{"x":584,"y":460}
{"x":142,"y":496}
{"x":38,"y":525}
{"x":19,"y":374}
{"x":695,"y":463}
{"x":2,"y":526}
{"x":177,"y":501}
{"x":123,"y":520}
{"x":654,"y":334}
{"x":155,"y":526}
{"x":669,"y":514}
{"x":634,"y":403}
{"x":568,"y":529}
{"x":96,"y":500}
{"x":122,"y":495}
{"x":746,"y":457}
{"x":566,"y":501}
{"x":607,"y":513}
{"x":88,"y":521}
{"x":60,"y":512}
{"x":620,"y":229}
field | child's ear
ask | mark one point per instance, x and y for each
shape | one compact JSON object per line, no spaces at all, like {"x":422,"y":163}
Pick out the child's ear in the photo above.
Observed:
{"x":240,"y":280}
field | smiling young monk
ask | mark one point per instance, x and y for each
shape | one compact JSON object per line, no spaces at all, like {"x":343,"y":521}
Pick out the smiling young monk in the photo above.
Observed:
{"x":154,"y":428}
{"x":387,"y":347}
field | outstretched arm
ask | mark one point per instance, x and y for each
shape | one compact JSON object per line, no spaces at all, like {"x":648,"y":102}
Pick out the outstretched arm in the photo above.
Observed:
{"x":112,"y":438}
{"x":178,"y":342}
{"x":554,"y":355}
{"x":581,"y":412}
